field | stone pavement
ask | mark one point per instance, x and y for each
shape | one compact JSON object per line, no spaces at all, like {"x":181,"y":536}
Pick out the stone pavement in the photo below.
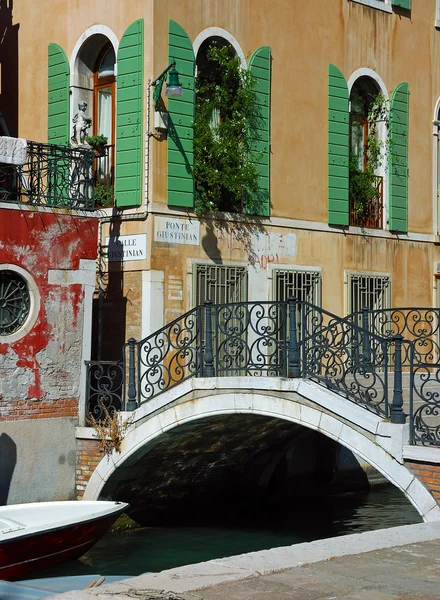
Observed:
{"x":400,"y":563}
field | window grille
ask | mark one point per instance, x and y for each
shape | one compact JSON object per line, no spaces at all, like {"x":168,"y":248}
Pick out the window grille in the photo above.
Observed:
{"x":15,"y":302}
{"x":368,"y":291}
{"x":302,"y":285}
{"x":220,"y":283}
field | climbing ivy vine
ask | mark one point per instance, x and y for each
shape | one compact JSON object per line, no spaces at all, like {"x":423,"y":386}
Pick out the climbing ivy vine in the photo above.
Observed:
{"x":363,"y":180}
{"x":225,"y":121}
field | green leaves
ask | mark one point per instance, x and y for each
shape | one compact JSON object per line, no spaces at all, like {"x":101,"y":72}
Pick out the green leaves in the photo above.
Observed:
{"x":225,"y":121}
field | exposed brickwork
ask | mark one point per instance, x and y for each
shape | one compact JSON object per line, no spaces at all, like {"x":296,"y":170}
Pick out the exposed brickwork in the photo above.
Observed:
{"x":38,"y":409}
{"x":429,"y":474}
{"x":87,"y":458}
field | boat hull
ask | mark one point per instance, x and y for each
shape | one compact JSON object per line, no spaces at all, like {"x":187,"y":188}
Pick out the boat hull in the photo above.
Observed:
{"x":29,"y":553}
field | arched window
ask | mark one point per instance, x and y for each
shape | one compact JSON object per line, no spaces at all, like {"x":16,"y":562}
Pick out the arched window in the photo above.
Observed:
{"x":367,"y":114}
{"x":224,"y":175}
{"x":93,"y":93}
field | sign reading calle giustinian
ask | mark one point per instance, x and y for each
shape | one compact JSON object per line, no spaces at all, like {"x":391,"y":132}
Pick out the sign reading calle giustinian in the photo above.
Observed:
{"x":176,"y":231}
{"x":126,"y":247}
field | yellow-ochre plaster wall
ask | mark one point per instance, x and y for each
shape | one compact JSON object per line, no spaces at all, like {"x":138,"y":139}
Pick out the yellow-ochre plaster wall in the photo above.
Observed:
{"x":304,"y":38}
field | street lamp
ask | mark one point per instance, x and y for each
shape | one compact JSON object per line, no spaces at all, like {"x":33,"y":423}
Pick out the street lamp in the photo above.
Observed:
{"x":174,"y":87}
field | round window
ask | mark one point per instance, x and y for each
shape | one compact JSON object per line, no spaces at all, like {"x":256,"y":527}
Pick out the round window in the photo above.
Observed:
{"x":15,"y":302}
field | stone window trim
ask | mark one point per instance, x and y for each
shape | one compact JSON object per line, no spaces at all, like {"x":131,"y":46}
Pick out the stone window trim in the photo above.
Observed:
{"x":34,"y":308}
{"x":383,"y":5}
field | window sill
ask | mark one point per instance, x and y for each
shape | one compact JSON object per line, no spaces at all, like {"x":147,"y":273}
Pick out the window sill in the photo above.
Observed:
{"x":375,"y":4}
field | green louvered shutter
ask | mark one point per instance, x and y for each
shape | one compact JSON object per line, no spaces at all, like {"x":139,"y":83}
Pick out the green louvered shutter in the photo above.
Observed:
{"x":402,"y":3}
{"x":398,"y":167}
{"x":181,"y":121}
{"x":338,"y":144}
{"x":129,"y":116}
{"x":260,"y":67}
{"x":58,"y":96}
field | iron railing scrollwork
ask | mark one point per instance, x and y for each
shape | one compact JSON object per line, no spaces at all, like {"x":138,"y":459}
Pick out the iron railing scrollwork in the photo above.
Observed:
{"x":344,"y":358}
{"x":105,"y":388}
{"x":386,"y":361}
{"x":56,"y":176}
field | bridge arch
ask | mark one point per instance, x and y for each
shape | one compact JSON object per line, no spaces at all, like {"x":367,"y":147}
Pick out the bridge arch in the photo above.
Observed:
{"x":148,"y":428}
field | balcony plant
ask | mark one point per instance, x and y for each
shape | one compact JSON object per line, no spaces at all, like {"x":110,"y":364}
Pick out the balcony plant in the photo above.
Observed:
{"x":364,"y":192}
{"x":103,"y":195}
{"x":97,"y":143}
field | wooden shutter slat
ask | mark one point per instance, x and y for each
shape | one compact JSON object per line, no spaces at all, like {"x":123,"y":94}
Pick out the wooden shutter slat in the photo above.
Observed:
{"x":58,"y":108}
{"x":181,"y":121}
{"x":398,"y":159}
{"x":260,"y":67}
{"x":338,"y":148}
{"x":129,"y":116}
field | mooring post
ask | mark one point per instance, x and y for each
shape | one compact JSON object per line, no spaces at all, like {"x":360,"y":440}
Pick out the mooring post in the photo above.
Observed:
{"x":397,"y":414}
{"x":209,"y":357}
{"x":131,"y":404}
{"x":293,"y":361}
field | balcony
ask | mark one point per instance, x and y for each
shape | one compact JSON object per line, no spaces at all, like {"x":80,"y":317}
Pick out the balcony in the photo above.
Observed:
{"x":366,"y":210}
{"x":52,"y":176}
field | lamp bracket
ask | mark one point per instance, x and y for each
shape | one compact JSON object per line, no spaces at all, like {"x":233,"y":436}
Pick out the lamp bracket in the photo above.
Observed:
{"x":158,"y":83}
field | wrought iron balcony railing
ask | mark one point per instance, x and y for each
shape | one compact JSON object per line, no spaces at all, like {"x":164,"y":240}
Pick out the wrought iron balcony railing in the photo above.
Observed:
{"x":370,"y":214}
{"x":56,"y":176}
{"x":104,"y":177}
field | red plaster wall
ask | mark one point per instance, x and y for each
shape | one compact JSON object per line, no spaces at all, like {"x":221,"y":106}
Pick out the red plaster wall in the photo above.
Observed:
{"x":39,"y":242}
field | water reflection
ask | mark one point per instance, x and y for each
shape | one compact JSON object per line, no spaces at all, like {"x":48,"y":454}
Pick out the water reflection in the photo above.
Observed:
{"x":158,"y":548}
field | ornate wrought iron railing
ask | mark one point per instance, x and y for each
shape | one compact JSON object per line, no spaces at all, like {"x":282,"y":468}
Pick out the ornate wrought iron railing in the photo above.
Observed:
{"x":380,"y":360}
{"x":283,"y":339}
{"x":371,"y":214}
{"x":105,"y":388}
{"x":104,"y":177}
{"x":56,"y":176}
{"x":420,"y":326}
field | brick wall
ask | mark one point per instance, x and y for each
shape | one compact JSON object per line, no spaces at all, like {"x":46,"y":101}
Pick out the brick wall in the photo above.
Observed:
{"x":87,"y":458}
{"x":429,"y":474}
{"x":38,"y":409}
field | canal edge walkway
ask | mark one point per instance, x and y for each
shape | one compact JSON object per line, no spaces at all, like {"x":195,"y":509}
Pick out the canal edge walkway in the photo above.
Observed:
{"x":192,"y":580}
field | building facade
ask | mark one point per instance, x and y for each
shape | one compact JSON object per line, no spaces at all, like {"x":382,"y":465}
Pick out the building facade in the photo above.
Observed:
{"x":347,"y":94}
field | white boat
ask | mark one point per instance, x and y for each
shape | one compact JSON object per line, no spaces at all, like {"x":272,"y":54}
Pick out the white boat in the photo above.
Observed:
{"x":38,"y":535}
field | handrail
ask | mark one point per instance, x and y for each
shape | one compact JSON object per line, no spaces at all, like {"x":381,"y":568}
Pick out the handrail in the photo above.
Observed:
{"x":359,"y":357}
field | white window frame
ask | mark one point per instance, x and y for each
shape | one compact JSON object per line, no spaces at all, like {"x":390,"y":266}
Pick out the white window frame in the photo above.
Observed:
{"x":382,"y":130}
{"x":385,"y":6}
{"x":296,"y":269}
{"x":437,"y":13}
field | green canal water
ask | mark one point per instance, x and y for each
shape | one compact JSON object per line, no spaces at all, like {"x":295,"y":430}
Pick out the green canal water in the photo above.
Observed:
{"x":154,"y":549}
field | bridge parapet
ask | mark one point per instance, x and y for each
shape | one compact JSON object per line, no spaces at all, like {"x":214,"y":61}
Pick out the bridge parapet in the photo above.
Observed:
{"x":365,"y":357}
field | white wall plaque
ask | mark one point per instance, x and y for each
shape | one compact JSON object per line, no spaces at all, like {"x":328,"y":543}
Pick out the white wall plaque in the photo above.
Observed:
{"x":176,"y":231}
{"x":126,"y":247}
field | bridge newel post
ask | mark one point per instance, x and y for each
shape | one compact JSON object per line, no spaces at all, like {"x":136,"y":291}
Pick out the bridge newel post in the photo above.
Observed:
{"x":293,"y":367}
{"x":208,"y":357}
{"x":397,"y":414}
{"x":131,"y":404}
{"x":365,"y":335}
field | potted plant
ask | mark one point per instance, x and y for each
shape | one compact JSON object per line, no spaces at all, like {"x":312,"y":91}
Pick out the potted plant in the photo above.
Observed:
{"x":97,"y":143}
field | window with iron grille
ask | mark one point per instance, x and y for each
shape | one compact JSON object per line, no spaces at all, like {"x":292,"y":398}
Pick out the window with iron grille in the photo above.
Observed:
{"x":221,"y":284}
{"x":299,"y":284}
{"x":367,"y":291}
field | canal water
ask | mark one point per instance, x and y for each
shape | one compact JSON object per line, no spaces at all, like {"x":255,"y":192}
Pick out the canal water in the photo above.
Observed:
{"x":153,"y":549}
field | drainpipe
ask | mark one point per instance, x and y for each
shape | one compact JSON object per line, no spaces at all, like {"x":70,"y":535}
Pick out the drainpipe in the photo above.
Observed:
{"x":139,"y":216}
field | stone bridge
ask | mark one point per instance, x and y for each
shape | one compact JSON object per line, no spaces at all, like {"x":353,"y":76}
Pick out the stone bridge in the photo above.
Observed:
{"x":229,"y":400}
